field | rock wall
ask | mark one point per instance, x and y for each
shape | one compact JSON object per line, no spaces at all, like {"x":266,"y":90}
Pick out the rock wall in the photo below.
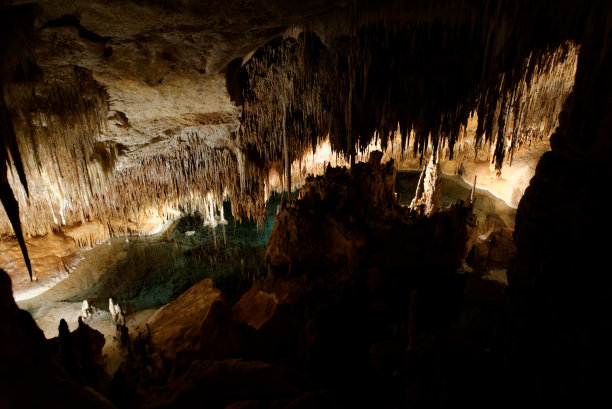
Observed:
{"x":560,"y":293}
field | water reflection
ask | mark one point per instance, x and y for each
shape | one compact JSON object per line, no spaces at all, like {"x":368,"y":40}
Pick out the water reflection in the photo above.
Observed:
{"x":152,"y":271}
{"x":156,"y":270}
{"x":491,"y":211}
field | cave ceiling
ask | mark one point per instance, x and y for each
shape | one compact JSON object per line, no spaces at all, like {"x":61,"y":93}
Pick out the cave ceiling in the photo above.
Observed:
{"x":118,"y":107}
{"x":162,"y":63}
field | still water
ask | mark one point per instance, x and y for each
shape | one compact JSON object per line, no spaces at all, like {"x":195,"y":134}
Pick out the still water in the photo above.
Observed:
{"x":154,"y":270}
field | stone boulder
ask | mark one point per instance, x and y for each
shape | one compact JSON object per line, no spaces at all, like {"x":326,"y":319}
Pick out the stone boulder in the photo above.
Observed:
{"x":493,"y":251}
{"x":197,"y":324}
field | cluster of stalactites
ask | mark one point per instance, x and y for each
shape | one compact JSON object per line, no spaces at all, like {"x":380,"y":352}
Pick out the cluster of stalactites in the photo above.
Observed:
{"x":56,"y":127}
{"x":530,"y":114}
{"x":193,"y":178}
{"x":370,"y":77}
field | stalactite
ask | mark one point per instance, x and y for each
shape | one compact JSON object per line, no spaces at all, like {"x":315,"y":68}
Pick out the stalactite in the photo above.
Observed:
{"x":16,"y":43}
{"x":56,"y":124}
{"x":7,"y":195}
{"x":193,"y":178}
{"x":410,"y":77}
{"x":370,"y":73}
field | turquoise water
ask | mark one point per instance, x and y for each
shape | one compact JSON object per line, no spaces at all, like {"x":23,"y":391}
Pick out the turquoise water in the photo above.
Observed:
{"x":157,"y":269}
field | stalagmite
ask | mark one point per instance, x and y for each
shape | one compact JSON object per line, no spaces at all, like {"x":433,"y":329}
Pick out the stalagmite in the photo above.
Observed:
{"x":86,"y":310}
{"x":419,"y":189}
{"x":112,"y":308}
{"x":286,"y":155}
{"x":430,"y":194}
{"x":473,"y":190}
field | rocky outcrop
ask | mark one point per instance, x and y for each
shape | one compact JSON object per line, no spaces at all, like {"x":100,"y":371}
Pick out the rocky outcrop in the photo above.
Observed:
{"x":350,"y":220}
{"x":80,"y":353}
{"x":29,"y":374}
{"x":198,"y":324}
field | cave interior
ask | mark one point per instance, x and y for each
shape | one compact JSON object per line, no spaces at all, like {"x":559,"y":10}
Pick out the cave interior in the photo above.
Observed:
{"x":305,"y":204}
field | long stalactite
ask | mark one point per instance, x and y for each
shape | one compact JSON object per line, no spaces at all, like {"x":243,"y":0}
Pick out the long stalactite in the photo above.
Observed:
{"x":15,"y":46}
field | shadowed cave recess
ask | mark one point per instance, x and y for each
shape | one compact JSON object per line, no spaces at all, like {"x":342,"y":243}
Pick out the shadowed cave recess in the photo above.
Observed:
{"x":313,"y":204}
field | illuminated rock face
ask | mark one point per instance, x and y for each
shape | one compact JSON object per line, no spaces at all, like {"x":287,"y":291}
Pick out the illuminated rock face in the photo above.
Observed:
{"x":428,"y":193}
{"x":147,"y":83}
{"x":197,"y":323}
{"x":94,"y":88}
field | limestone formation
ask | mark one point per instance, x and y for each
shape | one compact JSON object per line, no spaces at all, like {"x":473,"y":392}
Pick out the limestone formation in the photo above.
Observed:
{"x":428,"y":193}
{"x":116,"y":312}
{"x":111,"y":308}
{"x":113,"y":113}
{"x":326,"y":77}
{"x":86,"y":310}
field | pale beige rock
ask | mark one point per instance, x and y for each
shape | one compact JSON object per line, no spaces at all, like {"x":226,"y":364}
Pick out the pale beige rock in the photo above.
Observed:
{"x":429,"y":192}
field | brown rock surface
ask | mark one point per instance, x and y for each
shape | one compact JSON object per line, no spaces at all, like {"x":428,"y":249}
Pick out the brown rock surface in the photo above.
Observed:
{"x":51,"y":256}
{"x":255,"y":307}
{"x":216,"y":384}
{"x":198,"y":322}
